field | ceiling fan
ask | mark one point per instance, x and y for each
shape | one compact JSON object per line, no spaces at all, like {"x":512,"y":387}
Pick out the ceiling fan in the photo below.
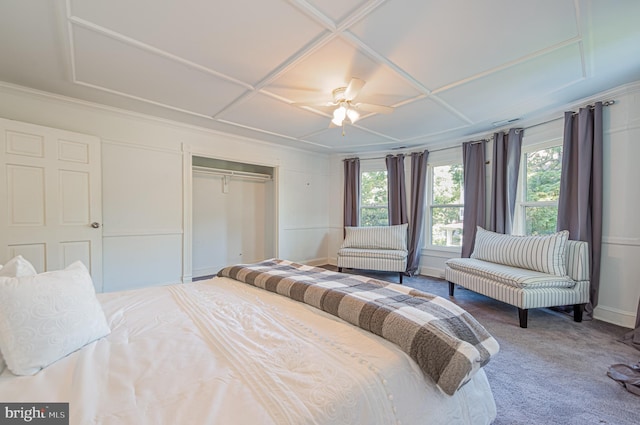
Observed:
{"x":347,"y":108}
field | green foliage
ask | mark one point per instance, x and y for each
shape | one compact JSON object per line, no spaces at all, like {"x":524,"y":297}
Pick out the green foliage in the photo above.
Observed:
{"x":543,"y":174}
{"x":543,"y":170}
{"x":374,"y":208}
{"x":376,"y":216}
{"x":541,"y":220}
{"x":447,"y":184}
{"x":446,"y":219}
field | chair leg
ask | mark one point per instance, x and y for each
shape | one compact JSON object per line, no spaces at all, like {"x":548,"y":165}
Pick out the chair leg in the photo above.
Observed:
{"x":400,"y":273}
{"x":523,"y":313}
{"x":452,"y":287}
{"x":578,"y":309}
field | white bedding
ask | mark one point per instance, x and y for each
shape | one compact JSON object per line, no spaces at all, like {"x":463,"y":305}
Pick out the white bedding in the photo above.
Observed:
{"x":223,"y":352}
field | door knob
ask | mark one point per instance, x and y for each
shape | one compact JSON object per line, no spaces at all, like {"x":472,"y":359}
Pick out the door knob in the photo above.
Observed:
{"x":95,"y":225}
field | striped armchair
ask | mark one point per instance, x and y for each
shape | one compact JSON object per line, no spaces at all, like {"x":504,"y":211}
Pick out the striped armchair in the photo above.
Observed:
{"x":525,"y":271}
{"x":380,"y":248}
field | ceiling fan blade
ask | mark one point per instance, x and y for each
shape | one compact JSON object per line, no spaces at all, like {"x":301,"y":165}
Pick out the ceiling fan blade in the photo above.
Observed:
{"x":314,"y":104}
{"x":354,"y":87}
{"x":378,"y":109}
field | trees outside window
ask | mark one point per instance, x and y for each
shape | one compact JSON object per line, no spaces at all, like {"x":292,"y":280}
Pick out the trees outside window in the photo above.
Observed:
{"x":446,"y":206}
{"x":374,"y":207}
{"x":541,"y":190}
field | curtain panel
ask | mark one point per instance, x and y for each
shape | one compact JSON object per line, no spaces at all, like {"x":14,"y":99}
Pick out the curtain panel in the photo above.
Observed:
{"x":473,"y":158}
{"x":418,"y":209}
{"x":397,"y":195}
{"x":580,"y":201}
{"x":504,"y":183}
{"x":351,"y":192}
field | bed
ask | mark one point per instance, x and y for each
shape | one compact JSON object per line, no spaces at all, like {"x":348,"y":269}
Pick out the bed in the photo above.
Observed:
{"x":223,"y":351}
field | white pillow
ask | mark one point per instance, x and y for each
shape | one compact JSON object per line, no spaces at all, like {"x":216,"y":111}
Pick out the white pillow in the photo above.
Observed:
{"x":546,"y":254}
{"x":48,"y":316}
{"x":17,"y":267}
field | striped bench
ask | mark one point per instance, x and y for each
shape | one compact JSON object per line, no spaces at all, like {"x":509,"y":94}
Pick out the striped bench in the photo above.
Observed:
{"x":525,"y":271}
{"x":380,"y":248}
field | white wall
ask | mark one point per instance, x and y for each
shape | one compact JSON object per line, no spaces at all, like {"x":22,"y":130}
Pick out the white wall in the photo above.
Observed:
{"x":229,"y":227}
{"x":620,"y":274}
{"x":144,"y":185}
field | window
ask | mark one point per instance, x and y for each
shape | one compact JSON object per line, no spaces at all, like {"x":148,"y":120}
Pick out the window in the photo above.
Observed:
{"x":446,"y":205}
{"x":540,"y":191}
{"x":374,"y":208}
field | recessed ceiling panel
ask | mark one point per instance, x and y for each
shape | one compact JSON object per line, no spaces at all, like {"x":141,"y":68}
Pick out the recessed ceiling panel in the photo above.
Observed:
{"x":113,"y":65}
{"x":245,"y":39}
{"x":353,"y":139}
{"x":440,"y":42}
{"x":264,"y":112}
{"x":496,"y":93}
{"x":332,"y":66}
{"x":32,"y":53}
{"x":420,"y":118}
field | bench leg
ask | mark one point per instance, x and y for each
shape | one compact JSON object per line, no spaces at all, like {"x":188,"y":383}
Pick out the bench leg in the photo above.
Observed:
{"x":523,"y":313}
{"x":578,"y":309}
{"x":400,"y":273}
{"x":452,"y":286}
{"x":339,"y":269}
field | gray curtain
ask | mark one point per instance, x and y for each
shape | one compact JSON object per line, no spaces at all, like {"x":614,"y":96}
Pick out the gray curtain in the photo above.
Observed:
{"x":396,"y":190}
{"x":351,"y":191}
{"x":580,"y":202}
{"x":418,"y":193}
{"x":473,"y":158}
{"x":505,"y":168}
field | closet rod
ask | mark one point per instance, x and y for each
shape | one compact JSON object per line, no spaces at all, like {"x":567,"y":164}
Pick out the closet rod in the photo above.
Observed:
{"x":231,"y":173}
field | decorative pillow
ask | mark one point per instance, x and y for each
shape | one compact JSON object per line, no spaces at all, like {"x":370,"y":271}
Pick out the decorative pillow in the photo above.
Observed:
{"x":17,"y":267}
{"x":545,"y":254}
{"x":45,"y":317}
{"x":376,"y":237}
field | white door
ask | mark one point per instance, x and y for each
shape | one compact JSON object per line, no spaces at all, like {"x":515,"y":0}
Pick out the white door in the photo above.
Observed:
{"x":50,"y":200}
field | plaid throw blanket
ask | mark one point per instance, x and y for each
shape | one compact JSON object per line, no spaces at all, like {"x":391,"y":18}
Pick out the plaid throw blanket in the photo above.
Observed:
{"x":446,"y":342}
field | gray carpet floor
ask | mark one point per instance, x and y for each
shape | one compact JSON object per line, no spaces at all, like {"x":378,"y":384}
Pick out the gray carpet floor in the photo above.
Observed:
{"x":553,"y":372}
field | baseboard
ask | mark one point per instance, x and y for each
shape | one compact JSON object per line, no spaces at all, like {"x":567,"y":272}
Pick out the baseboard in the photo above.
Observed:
{"x":432,"y":272}
{"x":206,"y":271}
{"x":622,"y":318}
{"x":314,"y":262}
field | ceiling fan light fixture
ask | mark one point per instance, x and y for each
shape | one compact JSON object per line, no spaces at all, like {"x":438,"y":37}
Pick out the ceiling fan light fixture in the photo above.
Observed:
{"x":353,"y":115}
{"x":339,"y":115}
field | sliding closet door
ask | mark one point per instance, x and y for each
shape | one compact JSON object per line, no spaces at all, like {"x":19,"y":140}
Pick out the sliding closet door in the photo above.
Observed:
{"x":50,"y":197}
{"x":230,"y":215}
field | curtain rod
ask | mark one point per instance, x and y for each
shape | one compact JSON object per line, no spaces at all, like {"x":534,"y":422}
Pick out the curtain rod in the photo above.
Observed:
{"x":381,"y":157}
{"x":605,"y":103}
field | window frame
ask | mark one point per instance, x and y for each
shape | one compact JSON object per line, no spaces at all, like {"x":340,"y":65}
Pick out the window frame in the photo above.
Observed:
{"x":368,"y":168}
{"x":444,"y":160}
{"x":519,"y":227}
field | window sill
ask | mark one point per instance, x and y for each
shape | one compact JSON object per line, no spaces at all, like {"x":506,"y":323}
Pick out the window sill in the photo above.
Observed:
{"x":441,"y":251}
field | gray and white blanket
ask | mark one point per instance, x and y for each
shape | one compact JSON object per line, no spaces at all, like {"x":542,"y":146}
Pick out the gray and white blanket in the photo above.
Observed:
{"x":446,"y":342}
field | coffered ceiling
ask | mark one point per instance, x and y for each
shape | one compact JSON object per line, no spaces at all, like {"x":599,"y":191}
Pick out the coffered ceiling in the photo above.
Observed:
{"x":251,"y":67}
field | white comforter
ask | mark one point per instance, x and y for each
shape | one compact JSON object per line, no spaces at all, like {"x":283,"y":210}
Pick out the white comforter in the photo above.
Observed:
{"x":223,"y":352}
